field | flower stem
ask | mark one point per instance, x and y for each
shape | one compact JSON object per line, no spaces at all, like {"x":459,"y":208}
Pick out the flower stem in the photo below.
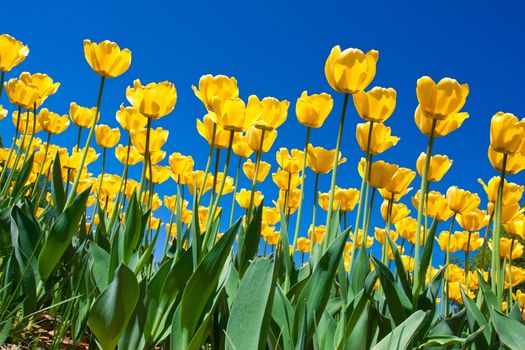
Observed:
{"x":256,"y":173}
{"x":301,"y":197}
{"x":145,"y":161}
{"x":495,"y":269}
{"x":237,"y":175}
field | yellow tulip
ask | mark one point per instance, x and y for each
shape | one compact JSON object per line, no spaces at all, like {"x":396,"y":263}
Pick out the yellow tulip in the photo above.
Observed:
{"x":106,"y":58}
{"x":81,"y":116}
{"x":406,"y":228}
{"x":159,"y":174}
{"x":3,"y":112}
{"x":511,"y":192}
{"x":321,"y":160}
{"x":249,"y":170}
{"x":121,"y":153}
{"x":21,"y":93}
{"x":271,"y":215}
{"x":208,"y":127}
{"x":515,"y":162}
{"x":358,"y":241}
{"x":154,"y":100}
{"x":272,"y":238}
{"x":344,"y":199}
{"x":157,"y":156}
{"x":516,"y":226}
{"x":270,"y":112}
{"x":400,"y":181}
{"x":43,"y":83}
{"x":454,"y":292}
{"x":507,"y":133}
{"x":438,"y":167}
{"x":351,"y":70}
{"x":380,"y":235}
{"x":318,"y":233}
{"x":196,"y":178}
{"x":398,"y":213}
{"x":107,"y":137}
{"x":232,"y":115}
{"x":463,"y":243}
{"x":293,"y":196}
{"x":12,"y":52}
{"x":505,"y":248}
{"x":243,"y":198}
{"x":441,"y":100}
{"x":110,"y":185}
{"x":508,"y":211}
{"x":381,"y":173}
{"x":313,"y":110}
{"x":130,"y":118}
{"x":443,"y":241}
{"x":52,"y":123}
{"x":285,"y":180}
{"x":218,"y":87}
{"x":156,"y":202}
{"x":303,"y":245}
{"x":26,"y":121}
{"x":380,"y":140}
{"x":290,"y":161}
{"x":474,"y":220}
{"x":170,"y":202}
{"x":461,"y":201}
{"x":181,"y":164}
{"x":376,"y":105}
{"x":158,"y":138}
{"x":442,"y":127}
{"x":257,"y":142}
{"x":436,"y":205}
{"x":228,"y":183}
{"x":241,"y":147}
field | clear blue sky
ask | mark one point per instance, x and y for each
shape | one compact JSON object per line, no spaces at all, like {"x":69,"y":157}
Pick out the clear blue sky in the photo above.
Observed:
{"x":278,"y":48}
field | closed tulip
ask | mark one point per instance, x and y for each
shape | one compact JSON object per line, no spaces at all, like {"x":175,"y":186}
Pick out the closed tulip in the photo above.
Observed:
{"x":232,"y":115}
{"x":443,"y":127}
{"x":436,"y":205}
{"x":243,"y":198}
{"x":159,"y":174}
{"x":211,"y":131}
{"x":154,"y":100}
{"x":440,"y":101}
{"x":106,"y":58}
{"x":463,"y":243}
{"x":381,"y":173}
{"x":380,"y":140}
{"x":461,"y":201}
{"x":515,"y":162}
{"x":508,"y":211}
{"x":241,"y":147}
{"x":313,"y":110}
{"x":181,"y":164}
{"x":507,"y":133}
{"x":406,"y":228}
{"x":438,"y":167}
{"x":21,"y":93}
{"x":215,"y":88}
{"x":285,"y":180}
{"x":258,"y":142}
{"x":293,"y":196}
{"x":474,"y":220}
{"x":121,"y":153}
{"x":358,"y":239}
{"x":130,"y":118}
{"x":196,"y":178}
{"x":303,"y":245}
{"x":399,"y":211}
{"x":445,"y":240}
{"x":376,"y":105}
{"x":400,"y":181}
{"x":106,"y":136}
{"x":270,"y":112}
{"x":249,"y":170}
{"x":12,"y":52}
{"x":511,"y":192}
{"x":321,"y":160}
{"x":228,"y":183}
{"x":158,"y":138}
{"x":170,"y":202}
{"x":380,"y":235}
{"x":52,"y":123}
{"x":351,"y":70}
{"x":290,"y":161}
{"x":82,"y":116}
{"x":318,"y":233}
{"x":271,"y":215}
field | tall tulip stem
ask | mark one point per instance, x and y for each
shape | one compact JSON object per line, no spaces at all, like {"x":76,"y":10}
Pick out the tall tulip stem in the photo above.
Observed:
{"x":301,"y":197}
{"x":255,"y":175}
{"x":495,"y":269}
{"x":237,"y":175}
{"x":314,"y":213}
{"x":71,"y":196}
{"x":422,"y":195}
{"x":145,"y":161}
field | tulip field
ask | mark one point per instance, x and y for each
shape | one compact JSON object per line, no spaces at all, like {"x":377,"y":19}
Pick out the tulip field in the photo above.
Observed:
{"x":89,"y":259}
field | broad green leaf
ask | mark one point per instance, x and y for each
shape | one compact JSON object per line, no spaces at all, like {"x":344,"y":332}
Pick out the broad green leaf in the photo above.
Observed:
{"x":133,"y":228}
{"x":401,"y":337}
{"x":510,"y":332}
{"x":425,"y":258}
{"x":400,"y":268}
{"x":249,"y":316}
{"x":100,"y":264}
{"x":57,"y":186}
{"x":61,"y":234}
{"x":249,"y":243}
{"x":476,"y":320}
{"x":111,"y":311}
{"x":21,"y":179}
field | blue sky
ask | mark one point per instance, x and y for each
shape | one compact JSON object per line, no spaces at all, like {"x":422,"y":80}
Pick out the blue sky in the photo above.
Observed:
{"x":278,"y":48}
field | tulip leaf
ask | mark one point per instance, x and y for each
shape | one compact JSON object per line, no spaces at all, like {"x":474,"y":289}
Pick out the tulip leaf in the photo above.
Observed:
{"x":401,"y":337}
{"x":111,"y":311}
{"x":425,"y":257}
{"x":249,"y":316}
{"x":21,"y":178}
{"x":510,"y":332}
{"x":249,"y":241}
{"x":100,"y":263}
{"x":400,"y":268}
{"x":57,"y":185}
{"x":133,"y":228}
{"x":314,"y":296}
{"x":61,"y":235}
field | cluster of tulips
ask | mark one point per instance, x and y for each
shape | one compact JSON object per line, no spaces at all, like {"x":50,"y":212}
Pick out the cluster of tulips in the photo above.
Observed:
{"x":47,"y":182}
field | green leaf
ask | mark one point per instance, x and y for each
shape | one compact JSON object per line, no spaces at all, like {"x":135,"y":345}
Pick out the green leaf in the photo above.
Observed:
{"x":112,"y":310}
{"x":201,"y":286}
{"x":133,"y":228}
{"x":57,"y":186}
{"x":510,"y":332}
{"x":282,"y":316}
{"x":100,"y":264}
{"x":249,"y":316}
{"x":402,"y":335}
{"x":22,"y":177}
{"x":249,"y":242}
{"x":314,"y":296}
{"x":476,"y":320}
{"x":400,"y":268}
{"x":61,"y":235}
{"x":425,"y":257}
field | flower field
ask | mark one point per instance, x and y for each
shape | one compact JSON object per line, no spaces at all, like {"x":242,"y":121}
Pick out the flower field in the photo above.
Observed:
{"x":87,"y":259}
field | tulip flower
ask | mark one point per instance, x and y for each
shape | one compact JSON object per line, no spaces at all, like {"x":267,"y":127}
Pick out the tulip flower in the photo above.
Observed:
{"x":181,"y":164}
{"x":107,"y":137}
{"x":376,"y":105}
{"x":285,"y":180}
{"x":461,"y":201}
{"x":130,"y":118}
{"x":26,"y":123}
{"x":232,"y":114}
{"x":447,"y":242}
{"x":506,"y":133}
{"x":158,"y":138}
{"x":51,"y":122}
{"x":474,"y":220}
{"x":441,"y":100}
{"x":380,"y":139}
{"x":380,"y":235}
{"x":12,"y":53}
{"x":435,"y":206}
{"x":218,"y":87}
{"x":106,"y":58}
{"x":159,"y":174}
{"x":303,"y":245}
{"x":438,"y":167}
{"x":398,"y":212}
{"x":321,"y":160}
{"x":313,"y":110}
{"x":441,"y":127}
{"x":318,"y":233}
{"x":271,"y":215}
{"x":270,"y":113}
{"x":154,"y":100}
{"x":514,"y":163}
{"x":214,"y":134}
{"x":241,"y":147}
{"x":511,"y":192}
{"x":249,"y":169}
{"x":243,"y":198}
{"x":21,"y":93}
{"x":121,"y":153}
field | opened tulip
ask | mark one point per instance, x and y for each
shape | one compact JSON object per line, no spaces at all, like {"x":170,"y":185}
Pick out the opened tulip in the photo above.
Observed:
{"x":154,"y":100}
{"x":241,"y":147}
{"x":474,"y":220}
{"x":442,"y":127}
{"x":303,"y":245}
{"x":290,"y":198}
{"x":130,"y":118}
{"x":381,"y":173}
{"x":249,"y":170}
{"x":442,"y":100}
{"x":344,"y":199}
{"x":511,"y":192}
{"x":515,"y":162}
{"x":121,"y":153}
{"x":516,"y":226}
{"x":159,"y":174}
{"x":447,"y":241}
{"x":462,"y":201}
{"x":435,"y":206}
{"x":12,"y":52}
{"x":270,"y":112}
{"x":3,"y":112}
{"x":21,"y":93}
{"x":319,"y":232}
{"x":81,"y":116}
{"x":399,"y":211}
{"x":232,"y":115}
{"x":406,"y":228}
{"x":106,"y":58}
{"x":507,"y":133}
{"x":505,"y":248}
{"x":376,"y":105}
{"x":271,"y":215}
{"x":438,"y":167}
{"x":181,"y":164}
{"x":228,"y":184}
{"x":358,"y":239}
{"x":210,"y":130}
{"x":52,"y":123}
{"x":380,"y":235}
{"x":321,"y":160}
{"x":158,"y":138}
{"x":196,"y":179}
{"x":380,"y":140}
{"x":290,"y":161}
{"x":313,"y":110}
{"x":261,"y":140}
{"x":107,"y":137}
{"x":400,"y":181}
{"x":285,"y":180}
{"x":215,"y":88}
{"x":351,"y":70}
{"x":43,"y":83}
{"x":243,"y":198}
{"x":26,"y":121}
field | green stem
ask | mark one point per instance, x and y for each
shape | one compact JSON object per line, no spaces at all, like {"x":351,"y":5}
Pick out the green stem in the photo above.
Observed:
{"x":237,"y":175}
{"x":314,"y":213}
{"x":447,"y":263}
{"x":301,"y":196}
{"x":145,"y":161}
{"x":495,"y":264}
{"x":208,"y":163}
{"x":256,"y":173}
